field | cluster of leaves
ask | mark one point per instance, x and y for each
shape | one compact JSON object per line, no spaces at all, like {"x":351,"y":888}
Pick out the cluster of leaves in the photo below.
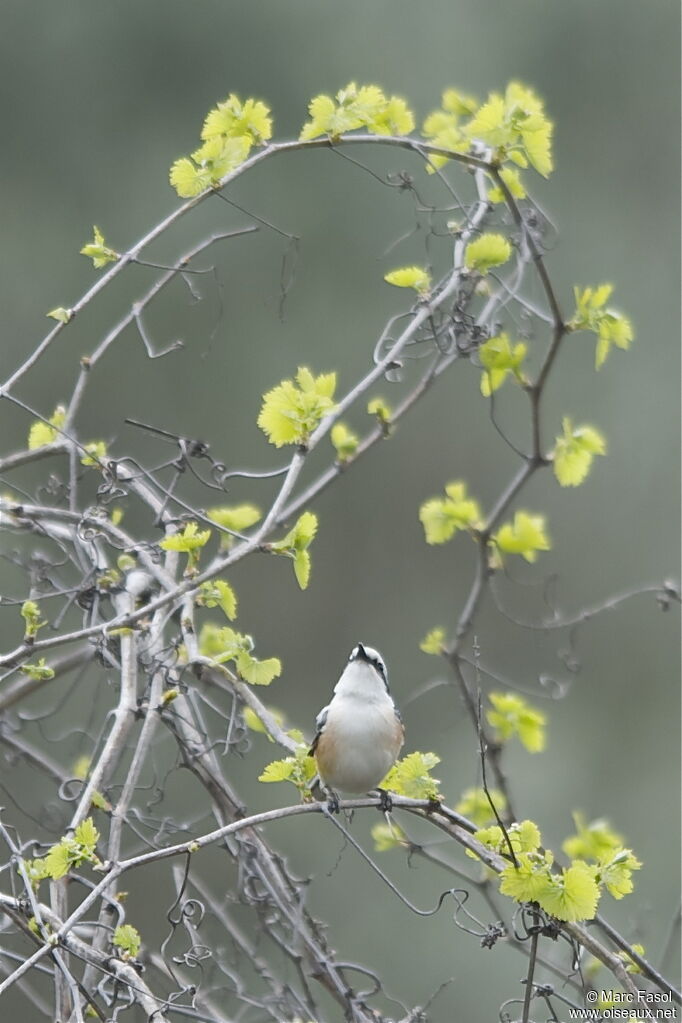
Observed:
{"x":187,"y":541}
{"x":511,"y":716}
{"x":499,"y":358}
{"x":513,"y":125}
{"x":295,"y":545}
{"x":571,"y":893}
{"x":127,"y":940}
{"x":95,"y":454}
{"x":228,"y":134}
{"x":410,"y":776}
{"x":41,"y":433}
{"x":475,"y":805}
{"x":357,"y":107}
{"x":218,"y":593}
{"x":442,"y":517}
{"x":30,"y":612}
{"x":291,"y":411}
{"x":525,"y":536}
{"x":610,"y":326}
{"x":39,"y":672}
{"x":69,"y":852}
{"x":443,"y":127}
{"x":298,"y":769}
{"x":98,"y":251}
{"x":574,"y":452}
{"x":225,"y":644}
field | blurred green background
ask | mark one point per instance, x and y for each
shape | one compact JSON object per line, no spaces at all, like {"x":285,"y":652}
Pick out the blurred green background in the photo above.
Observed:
{"x":100,"y":98}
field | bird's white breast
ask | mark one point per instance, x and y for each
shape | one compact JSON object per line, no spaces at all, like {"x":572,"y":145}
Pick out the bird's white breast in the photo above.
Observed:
{"x":360,"y":742}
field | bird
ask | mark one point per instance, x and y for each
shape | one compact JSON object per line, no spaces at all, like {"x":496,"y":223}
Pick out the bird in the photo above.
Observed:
{"x":360,"y":733}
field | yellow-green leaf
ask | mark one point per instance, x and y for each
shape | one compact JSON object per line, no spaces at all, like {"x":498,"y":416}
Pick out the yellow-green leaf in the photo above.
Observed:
{"x":415,"y":277}
{"x":411,"y":776}
{"x":42,"y":433}
{"x":525,"y":536}
{"x":291,"y":411}
{"x":433,"y":641}
{"x":344,"y":440}
{"x":512,"y":715}
{"x":189,"y":180}
{"x":128,"y":940}
{"x":61,"y":314}
{"x":486,"y":252}
{"x":474,"y":804}
{"x":98,"y":251}
{"x":443,"y":517}
{"x":574,"y":452}
{"x":572,"y":895}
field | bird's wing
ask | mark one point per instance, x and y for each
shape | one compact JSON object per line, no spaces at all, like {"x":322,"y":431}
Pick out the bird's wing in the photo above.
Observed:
{"x":399,"y":729}
{"x":320,"y":721}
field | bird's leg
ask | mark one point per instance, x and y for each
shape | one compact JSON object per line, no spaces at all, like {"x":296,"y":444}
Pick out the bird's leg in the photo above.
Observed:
{"x":386,"y":804}
{"x":332,"y":800}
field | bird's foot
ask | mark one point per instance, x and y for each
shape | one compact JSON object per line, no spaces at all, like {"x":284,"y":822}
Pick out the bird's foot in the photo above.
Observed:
{"x":332,"y":801}
{"x":386,"y":804}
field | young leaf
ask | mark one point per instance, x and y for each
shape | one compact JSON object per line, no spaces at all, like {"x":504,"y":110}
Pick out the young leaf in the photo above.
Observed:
{"x":98,"y":251}
{"x":512,"y":180}
{"x":354,"y":107}
{"x":378,"y":407}
{"x":528,"y":881}
{"x":486,"y":252}
{"x":225,"y":644}
{"x":410,"y":277}
{"x":295,"y":545}
{"x":498,"y":359}
{"x":614,"y":870}
{"x":516,"y":126}
{"x":475,"y":805}
{"x":512,"y":715}
{"x":290,"y":412}
{"x":433,"y":641}
{"x":128,"y":940}
{"x":299,"y":769}
{"x":232,"y":118}
{"x":61,"y":314}
{"x":258,"y":673}
{"x":574,"y":451}
{"x":411,"y":776}
{"x":591,"y":841}
{"x":189,"y":540}
{"x":189,"y":180}
{"x":30,"y":612}
{"x":388,"y":836}
{"x":236,"y":518}
{"x":572,"y":895}
{"x":610,"y":326}
{"x":443,"y":517}
{"x":218,"y":593}
{"x":442,"y":127}
{"x":344,"y":440}
{"x":525,"y":536}
{"x":42,"y":433}
{"x":40,"y":672}
{"x":95,"y":453}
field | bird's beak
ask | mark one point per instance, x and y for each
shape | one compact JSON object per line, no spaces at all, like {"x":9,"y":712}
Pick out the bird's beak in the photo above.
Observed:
{"x":362,"y":653}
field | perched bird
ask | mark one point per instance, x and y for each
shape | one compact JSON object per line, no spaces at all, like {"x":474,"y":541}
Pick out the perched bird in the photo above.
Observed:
{"x":358,"y":736}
